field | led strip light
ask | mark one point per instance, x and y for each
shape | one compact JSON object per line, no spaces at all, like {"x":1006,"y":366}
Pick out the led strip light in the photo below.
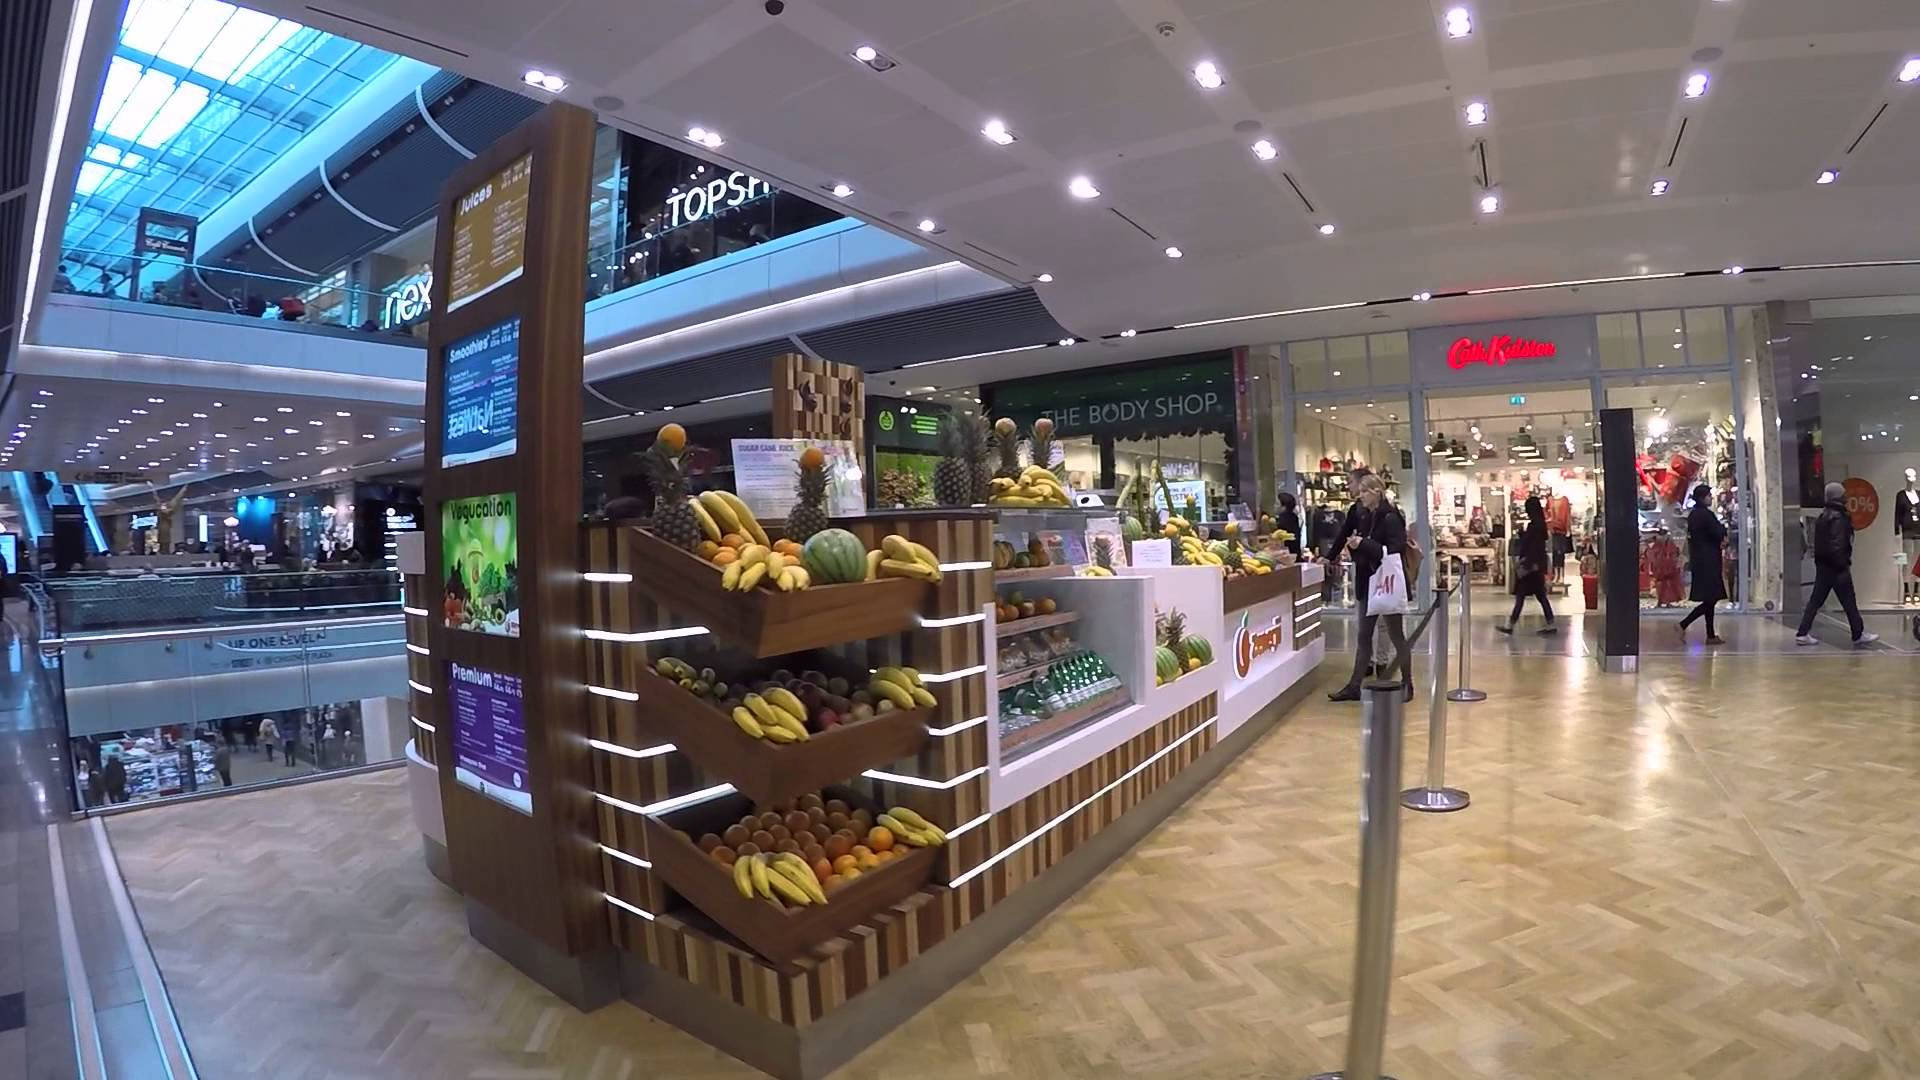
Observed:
{"x":421,"y":612}
{"x":628,"y":751}
{"x":952,"y":675}
{"x":1075,"y":809}
{"x":634,"y":859}
{"x":957,"y":620}
{"x":617,"y":579}
{"x":417,"y":686}
{"x":957,"y":830}
{"x":1303,"y":631}
{"x":623,"y":905}
{"x":941,"y":785}
{"x":417,"y":650}
{"x":422,"y":724}
{"x":617,"y":695}
{"x":664,"y":805}
{"x":647,"y":635}
{"x":966,"y":566}
{"x":963,"y":725}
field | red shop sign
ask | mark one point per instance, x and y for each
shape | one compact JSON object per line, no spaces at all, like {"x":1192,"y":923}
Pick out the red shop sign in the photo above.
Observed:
{"x":1496,"y":351}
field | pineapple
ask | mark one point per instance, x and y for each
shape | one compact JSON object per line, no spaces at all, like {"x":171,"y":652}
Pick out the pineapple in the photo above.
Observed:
{"x":809,"y":513}
{"x":673,"y":519}
{"x":1175,"y":637}
{"x":957,"y":480}
{"x":1043,"y":444}
{"x":1008,"y":447}
{"x":1103,"y":552}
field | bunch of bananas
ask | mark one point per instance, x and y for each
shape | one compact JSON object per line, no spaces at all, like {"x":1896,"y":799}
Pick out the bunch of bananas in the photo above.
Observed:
{"x":777,"y":717}
{"x":898,"y":556}
{"x":901,"y":686}
{"x":1197,"y":553}
{"x":757,"y":563}
{"x":911,"y":828}
{"x":1036,"y":486}
{"x":783,"y":879}
{"x":722,"y":512}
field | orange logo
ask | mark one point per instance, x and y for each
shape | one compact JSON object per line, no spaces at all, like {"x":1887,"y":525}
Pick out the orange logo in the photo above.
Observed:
{"x":1249,"y":644}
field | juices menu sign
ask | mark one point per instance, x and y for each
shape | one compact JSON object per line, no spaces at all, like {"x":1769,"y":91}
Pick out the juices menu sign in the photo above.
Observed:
{"x":490,"y":234}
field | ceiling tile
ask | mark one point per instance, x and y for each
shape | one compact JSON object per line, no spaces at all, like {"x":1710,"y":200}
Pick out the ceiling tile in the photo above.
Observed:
{"x":1520,"y":33}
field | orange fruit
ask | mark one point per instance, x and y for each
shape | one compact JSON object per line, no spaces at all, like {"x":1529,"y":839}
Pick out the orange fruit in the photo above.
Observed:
{"x":734,"y":541}
{"x":707,"y":549}
{"x":838,"y":846}
{"x":880,"y":838}
{"x":722,"y":855}
{"x":861,"y":851}
{"x":868,"y":861}
{"x":845,"y":863}
{"x":724,"y":556}
{"x":833,"y":884}
{"x":850,"y":873}
{"x":810,"y":458}
{"x":823,"y":870}
{"x":673,"y":437}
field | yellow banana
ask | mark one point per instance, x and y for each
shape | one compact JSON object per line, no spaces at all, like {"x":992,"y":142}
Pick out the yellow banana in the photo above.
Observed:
{"x":908,"y":569}
{"x":783,"y":887}
{"x":730,"y":577}
{"x":896,"y":675}
{"x":708,"y":527}
{"x":914,"y":820}
{"x":797,"y":871}
{"x":743,"y":718}
{"x":743,"y":876}
{"x":873,"y":563}
{"x":722,"y":511}
{"x":785,"y":722}
{"x":799,"y":576}
{"x":751,"y":576}
{"x":779,"y":734}
{"x":753,"y":554}
{"x":782,"y":698}
{"x":746,"y":517}
{"x":762,"y":711}
{"x":893,"y":692}
{"x":759,"y":871}
{"x":922,"y":697}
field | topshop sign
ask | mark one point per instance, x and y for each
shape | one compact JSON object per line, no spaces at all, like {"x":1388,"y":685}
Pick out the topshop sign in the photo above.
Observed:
{"x":704,"y":200}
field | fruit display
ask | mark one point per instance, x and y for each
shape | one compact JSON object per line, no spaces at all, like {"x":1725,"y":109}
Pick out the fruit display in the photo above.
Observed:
{"x":674,"y":519}
{"x":1102,"y":564}
{"x":898,"y":556}
{"x":1008,"y":557}
{"x":800,"y":853}
{"x":962,"y":477}
{"x":1082,"y":682}
{"x":1176,"y":652}
{"x":724,"y":514}
{"x":1023,"y":652}
{"x":809,"y":513}
{"x":829,"y":557}
{"x":783,"y":707}
{"x":1015,"y":605}
{"x":834,"y":556}
{"x":1033,"y":484}
{"x":756,"y":564}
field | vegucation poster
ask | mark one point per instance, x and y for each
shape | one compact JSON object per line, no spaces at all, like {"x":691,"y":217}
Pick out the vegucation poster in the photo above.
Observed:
{"x":480,"y":554}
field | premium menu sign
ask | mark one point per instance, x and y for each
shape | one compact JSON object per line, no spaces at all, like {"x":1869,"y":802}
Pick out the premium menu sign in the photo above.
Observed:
{"x":482,"y":376}
{"x":490,"y":234}
{"x":489,"y":735}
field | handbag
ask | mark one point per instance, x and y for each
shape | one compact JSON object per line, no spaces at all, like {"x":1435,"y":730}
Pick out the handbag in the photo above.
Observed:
{"x":1387,"y":590}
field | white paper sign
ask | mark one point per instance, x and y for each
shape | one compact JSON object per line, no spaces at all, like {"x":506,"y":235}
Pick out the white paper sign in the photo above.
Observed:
{"x":1152,"y":553}
{"x":765,"y":471}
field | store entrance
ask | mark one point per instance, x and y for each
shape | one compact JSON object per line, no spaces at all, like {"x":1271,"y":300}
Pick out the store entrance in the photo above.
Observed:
{"x":1489,"y":451}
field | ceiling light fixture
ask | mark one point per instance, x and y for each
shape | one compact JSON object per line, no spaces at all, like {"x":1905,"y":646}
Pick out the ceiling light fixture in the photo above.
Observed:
{"x":156,"y":401}
{"x":1697,"y":84}
{"x":866,"y":54}
{"x":997,"y":132}
{"x":1044,"y":279}
{"x":1066,"y":341}
{"x":1422,"y":296}
{"x":1827,"y":176}
{"x":1174,"y":252}
{"x":259,"y":419}
{"x":1910,"y":70}
{"x":1082,"y":188}
{"x":1265,"y":150}
{"x":709,"y":139}
{"x":1208,"y":75}
{"x":1327,"y":228}
{"x":1734,"y":269}
{"x":1129,"y":332}
{"x":545,"y":80}
{"x":1476,"y":113}
{"x":1459,"y":22}
{"x":1489,"y":204}
{"x":283,"y":409}
{"x":841,"y":191}
{"x":928,"y":225}
{"x":1657,"y":188}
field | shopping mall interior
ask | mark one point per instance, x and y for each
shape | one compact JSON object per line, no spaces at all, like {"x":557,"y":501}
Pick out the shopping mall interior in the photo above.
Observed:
{"x":1054,"y":538}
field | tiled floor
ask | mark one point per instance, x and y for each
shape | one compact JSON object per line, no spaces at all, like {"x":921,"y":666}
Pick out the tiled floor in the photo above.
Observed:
{"x":1707,"y":871}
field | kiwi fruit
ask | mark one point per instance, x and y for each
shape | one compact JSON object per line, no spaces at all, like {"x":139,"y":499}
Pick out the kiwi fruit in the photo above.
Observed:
{"x":836,"y":806}
{"x":764,"y":839}
{"x":737,"y":835}
{"x":708,"y":842}
{"x":787,"y":845}
{"x":781,"y":832}
{"x":769,"y":819}
{"x":838,"y":819}
{"x":751,"y":848}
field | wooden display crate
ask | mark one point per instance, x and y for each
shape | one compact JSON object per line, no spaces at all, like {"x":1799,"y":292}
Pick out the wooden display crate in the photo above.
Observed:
{"x":779,"y":934}
{"x":1014,"y":742}
{"x":767,"y":622}
{"x":1031,"y":573}
{"x":1251,"y":589}
{"x":770,"y":772}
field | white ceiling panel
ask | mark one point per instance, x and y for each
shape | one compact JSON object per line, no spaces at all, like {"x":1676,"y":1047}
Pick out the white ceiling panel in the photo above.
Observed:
{"x":1084,"y":104}
{"x":603,"y":33}
{"x":1808,"y":18}
{"x":1425,"y":123}
{"x":1550,"y":31}
{"x":1889,"y":155}
{"x":1022,"y":41}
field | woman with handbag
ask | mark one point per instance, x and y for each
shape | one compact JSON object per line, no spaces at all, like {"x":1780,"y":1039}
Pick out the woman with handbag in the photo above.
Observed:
{"x":1380,"y":576}
{"x":1704,"y":536}
{"x":1531,"y":579}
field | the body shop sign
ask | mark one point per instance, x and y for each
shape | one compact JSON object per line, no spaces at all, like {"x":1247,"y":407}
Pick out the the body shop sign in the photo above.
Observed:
{"x":1183,"y":395}
{"x":1521,"y":350}
{"x":1260,"y":636}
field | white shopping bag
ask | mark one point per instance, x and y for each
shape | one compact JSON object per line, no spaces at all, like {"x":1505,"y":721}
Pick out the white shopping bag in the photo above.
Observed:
{"x":1387,"y":589}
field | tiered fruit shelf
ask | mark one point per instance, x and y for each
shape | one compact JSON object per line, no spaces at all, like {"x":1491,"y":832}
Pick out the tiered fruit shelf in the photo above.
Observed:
{"x":770,"y":772}
{"x":1037,"y":622}
{"x":1031,"y":573}
{"x":780,"y":935}
{"x":767,"y":622}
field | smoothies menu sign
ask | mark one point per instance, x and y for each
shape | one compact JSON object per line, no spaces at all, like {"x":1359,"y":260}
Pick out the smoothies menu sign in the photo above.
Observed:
{"x":490,"y":234}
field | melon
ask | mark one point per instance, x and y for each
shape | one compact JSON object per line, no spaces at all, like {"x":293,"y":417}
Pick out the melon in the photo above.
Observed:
{"x":833,"y":556}
{"x":1200,"y":648}
{"x":1165,"y":664}
{"x":1130,"y":530}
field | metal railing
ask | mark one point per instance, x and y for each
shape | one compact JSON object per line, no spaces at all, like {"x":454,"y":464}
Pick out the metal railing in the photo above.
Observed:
{"x":1382,"y":732}
{"x":204,"y":598}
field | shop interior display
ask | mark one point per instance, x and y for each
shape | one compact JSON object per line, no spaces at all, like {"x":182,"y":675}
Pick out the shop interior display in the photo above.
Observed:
{"x":1906,"y":525}
{"x":1048,"y":681}
{"x":1036,"y":482}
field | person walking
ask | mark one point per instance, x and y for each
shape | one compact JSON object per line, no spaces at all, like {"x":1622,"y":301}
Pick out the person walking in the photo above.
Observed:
{"x":223,"y":763}
{"x":1385,"y":534}
{"x":269,"y":736}
{"x":1530,"y":551}
{"x":1704,"y":535}
{"x":1833,"y":569}
{"x":113,"y":777}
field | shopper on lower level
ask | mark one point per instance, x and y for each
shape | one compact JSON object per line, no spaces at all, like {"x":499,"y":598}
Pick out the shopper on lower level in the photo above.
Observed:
{"x":1833,"y":569}
{"x":1704,"y":536}
{"x":1531,"y":575}
{"x":269,"y":736}
{"x":1385,"y":534}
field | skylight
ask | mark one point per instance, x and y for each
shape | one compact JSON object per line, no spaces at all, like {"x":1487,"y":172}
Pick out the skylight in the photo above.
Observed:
{"x":199,"y":97}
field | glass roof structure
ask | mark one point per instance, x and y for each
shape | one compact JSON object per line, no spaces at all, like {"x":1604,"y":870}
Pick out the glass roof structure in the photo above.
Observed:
{"x":200,"y":96}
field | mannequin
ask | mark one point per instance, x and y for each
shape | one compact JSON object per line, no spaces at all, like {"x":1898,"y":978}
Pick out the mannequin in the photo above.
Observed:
{"x":1906,"y":521}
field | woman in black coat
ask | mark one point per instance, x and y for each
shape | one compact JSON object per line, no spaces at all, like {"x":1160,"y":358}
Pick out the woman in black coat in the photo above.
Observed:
{"x":1289,"y":520}
{"x":1704,"y":535}
{"x":1531,"y":552}
{"x":1385,"y":534}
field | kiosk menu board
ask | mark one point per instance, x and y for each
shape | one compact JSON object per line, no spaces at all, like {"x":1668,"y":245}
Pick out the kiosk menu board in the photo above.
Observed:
{"x":490,"y":234}
{"x":482,"y":376}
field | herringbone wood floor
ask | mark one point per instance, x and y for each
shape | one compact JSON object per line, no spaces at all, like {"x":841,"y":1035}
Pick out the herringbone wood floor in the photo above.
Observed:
{"x":1711,"y":871}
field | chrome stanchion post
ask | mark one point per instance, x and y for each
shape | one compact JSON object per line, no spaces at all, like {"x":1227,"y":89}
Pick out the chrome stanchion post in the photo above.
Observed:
{"x":1380,"y":736}
{"x":1436,"y":797}
{"x":1464,"y":690}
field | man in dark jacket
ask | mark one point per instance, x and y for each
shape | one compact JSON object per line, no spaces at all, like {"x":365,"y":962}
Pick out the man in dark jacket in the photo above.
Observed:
{"x":1833,"y":569}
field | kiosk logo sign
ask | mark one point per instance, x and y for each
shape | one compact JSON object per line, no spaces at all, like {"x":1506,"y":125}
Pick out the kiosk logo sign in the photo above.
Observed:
{"x":1250,"y":644}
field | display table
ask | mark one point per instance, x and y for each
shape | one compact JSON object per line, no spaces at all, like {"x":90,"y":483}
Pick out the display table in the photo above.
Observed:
{"x":1483,"y":563}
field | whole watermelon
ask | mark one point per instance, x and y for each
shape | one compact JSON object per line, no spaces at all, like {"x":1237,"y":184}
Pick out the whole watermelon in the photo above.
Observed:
{"x":1165,"y":664}
{"x":1130,"y":529}
{"x":1200,"y":647}
{"x":834,"y":556}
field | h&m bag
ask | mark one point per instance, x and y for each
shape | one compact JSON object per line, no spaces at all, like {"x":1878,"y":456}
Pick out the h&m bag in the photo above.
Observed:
{"x":1387,"y":589}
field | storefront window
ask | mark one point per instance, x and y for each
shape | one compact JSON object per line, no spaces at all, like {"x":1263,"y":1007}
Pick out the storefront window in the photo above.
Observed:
{"x":1661,"y":340}
{"x":1309,"y":361}
{"x":1684,"y":436}
{"x":1706,"y":337}
{"x":1347,"y":363}
{"x":1388,"y":358}
{"x":1619,"y":336}
{"x":1332,"y":438}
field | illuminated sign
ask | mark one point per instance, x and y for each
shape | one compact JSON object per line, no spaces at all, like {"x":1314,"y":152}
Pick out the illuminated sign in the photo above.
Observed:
{"x":1497,"y":351}
{"x":408,"y":300}
{"x":686,"y":207}
{"x":145,"y":521}
{"x":1250,"y":644}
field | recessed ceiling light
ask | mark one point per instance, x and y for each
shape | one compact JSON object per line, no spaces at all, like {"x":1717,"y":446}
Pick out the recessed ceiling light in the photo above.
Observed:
{"x":1734,"y":269}
{"x":283,"y":409}
{"x":139,"y":412}
{"x":36,"y":405}
{"x":544,"y":80}
{"x":865,"y":53}
{"x":873,"y":58}
{"x":259,"y":419}
{"x":314,"y":423}
{"x":709,"y":139}
{"x":1459,"y":22}
{"x":1082,"y":188}
{"x":1174,"y":253}
{"x":1476,"y":113}
{"x":997,"y":132}
{"x":1910,"y":70}
{"x":1422,"y":296}
{"x":289,"y":431}
{"x":1489,"y":204}
{"x":1658,"y":187}
{"x":1265,"y":150}
{"x":1327,"y":228}
{"x":1827,"y":176}
{"x":1128,"y":332}
{"x":1208,"y":75}
{"x":841,"y":191}
{"x":156,"y":401}
{"x":1066,"y":341}
{"x":199,"y":416}
{"x":341,"y":412}
{"x":1696,"y":84}
{"x":1044,"y":279}
{"x":928,"y":225}
{"x":46,"y":393}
